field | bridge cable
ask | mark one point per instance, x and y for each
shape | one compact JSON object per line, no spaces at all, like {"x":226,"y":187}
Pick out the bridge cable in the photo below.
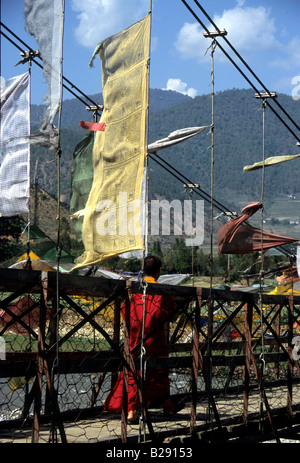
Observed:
{"x":243,"y":74}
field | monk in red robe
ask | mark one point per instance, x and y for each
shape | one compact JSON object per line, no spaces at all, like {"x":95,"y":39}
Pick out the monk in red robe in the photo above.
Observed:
{"x":156,"y":386}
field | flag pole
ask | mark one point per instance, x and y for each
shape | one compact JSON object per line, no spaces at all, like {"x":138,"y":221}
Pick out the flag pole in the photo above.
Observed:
{"x":29,"y":158}
{"x":211,"y":35}
{"x":58,"y":248}
{"x":146,"y":180}
{"x":58,"y":151}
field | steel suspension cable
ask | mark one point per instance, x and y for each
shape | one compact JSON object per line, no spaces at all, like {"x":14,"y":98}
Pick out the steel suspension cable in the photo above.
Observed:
{"x":245,"y":64}
{"x":176,"y":174}
{"x":240,"y":70}
{"x":169,"y":168}
{"x":163,"y":163}
{"x":41,"y":66}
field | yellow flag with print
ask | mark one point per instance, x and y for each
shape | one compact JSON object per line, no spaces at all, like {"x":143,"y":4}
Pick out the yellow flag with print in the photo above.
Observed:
{"x":112,"y":215}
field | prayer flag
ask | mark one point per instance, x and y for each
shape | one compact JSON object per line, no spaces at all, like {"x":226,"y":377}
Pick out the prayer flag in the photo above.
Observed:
{"x":112,"y":216}
{"x":44,"y":21}
{"x":237,"y":237}
{"x":94,"y":126}
{"x":14,"y":149}
{"x":176,"y":137}
{"x":81,"y":180}
{"x":270,"y":162}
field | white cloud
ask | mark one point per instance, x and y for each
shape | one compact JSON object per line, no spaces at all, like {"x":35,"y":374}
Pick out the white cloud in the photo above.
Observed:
{"x":248,"y":29}
{"x":190,"y":42}
{"x":181,"y":87}
{"x":99,"y":19}
{"x":290,"y":57}
{"x":293,"y":49}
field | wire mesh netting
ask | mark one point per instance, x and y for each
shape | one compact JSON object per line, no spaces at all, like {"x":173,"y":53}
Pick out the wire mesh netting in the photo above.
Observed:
{"x":230,"y":360}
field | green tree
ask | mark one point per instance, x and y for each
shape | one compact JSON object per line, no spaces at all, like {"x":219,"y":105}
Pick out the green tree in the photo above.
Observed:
{"x":179,"y":258}
{"x":156,"y":249}
{"x":11,"y":229}
{"x":65,"y":239}
{"x":133,"y":265}
{"x":202,"y":263}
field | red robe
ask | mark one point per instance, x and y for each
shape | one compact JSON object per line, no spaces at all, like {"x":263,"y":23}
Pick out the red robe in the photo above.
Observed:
{"x":156,"y":385}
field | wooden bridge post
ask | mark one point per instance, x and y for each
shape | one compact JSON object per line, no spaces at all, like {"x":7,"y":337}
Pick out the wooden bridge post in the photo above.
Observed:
{"x":116,"y":334}
{"x":208,"y":366}
{"x":43,"y":368}
{"x":290,"y":362}
{"x":39,"y":372}
{"x":196,"y":359}
{"x":276,"y":347}
{"x":124,"y":412}
{"x":248,"y":314}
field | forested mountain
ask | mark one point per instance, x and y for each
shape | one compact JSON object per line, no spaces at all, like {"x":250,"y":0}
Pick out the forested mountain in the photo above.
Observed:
{"x":238,"y":141}
{"x":73,"y":111}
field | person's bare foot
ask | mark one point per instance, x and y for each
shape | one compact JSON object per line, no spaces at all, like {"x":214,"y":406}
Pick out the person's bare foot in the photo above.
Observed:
{"x":132,"y":416}
{"x":169,"y":407}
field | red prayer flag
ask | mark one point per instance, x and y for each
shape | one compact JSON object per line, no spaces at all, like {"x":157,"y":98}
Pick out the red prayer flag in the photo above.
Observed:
{"x":94,"y":126}
{"x":236,"y":237}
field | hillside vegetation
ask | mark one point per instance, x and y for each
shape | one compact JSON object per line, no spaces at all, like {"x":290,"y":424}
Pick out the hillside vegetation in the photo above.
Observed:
{"x":238,"y":141}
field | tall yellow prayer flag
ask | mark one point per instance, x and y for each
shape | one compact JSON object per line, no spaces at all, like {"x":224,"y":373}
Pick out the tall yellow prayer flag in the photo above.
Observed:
{"x":111,"y":224}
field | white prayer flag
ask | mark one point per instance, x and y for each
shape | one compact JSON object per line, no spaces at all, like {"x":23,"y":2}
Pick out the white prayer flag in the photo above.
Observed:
{"x":14,"y":149}
{"x":44,"y":20}
{"x":175,"y":137}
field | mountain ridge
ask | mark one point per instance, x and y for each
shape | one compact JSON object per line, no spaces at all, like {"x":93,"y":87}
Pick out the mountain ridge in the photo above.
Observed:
{"x":238,"y":141}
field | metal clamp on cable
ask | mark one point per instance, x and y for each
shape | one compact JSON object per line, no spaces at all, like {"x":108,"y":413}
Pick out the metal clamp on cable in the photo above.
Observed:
{"x":143,"y":363}
{"x":144,"y":285}
{"x":263,"y":363}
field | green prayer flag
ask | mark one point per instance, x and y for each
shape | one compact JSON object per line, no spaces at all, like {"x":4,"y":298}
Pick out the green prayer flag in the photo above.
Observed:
{"x":81,"y":179}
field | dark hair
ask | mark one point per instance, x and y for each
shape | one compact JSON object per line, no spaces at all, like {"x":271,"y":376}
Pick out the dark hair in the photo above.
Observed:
{"x":152,"y":265}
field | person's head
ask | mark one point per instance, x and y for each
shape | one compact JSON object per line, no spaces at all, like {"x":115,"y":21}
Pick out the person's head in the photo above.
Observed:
{"x":152,"y":266}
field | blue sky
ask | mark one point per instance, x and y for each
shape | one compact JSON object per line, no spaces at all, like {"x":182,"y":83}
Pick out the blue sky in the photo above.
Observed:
{"x":265,"y":32}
